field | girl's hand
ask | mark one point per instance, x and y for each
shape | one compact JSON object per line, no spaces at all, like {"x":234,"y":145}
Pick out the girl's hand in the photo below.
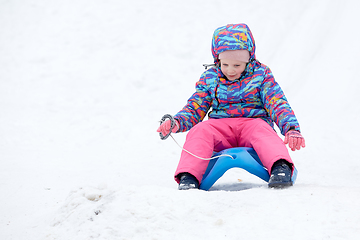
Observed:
{"x":295,"y":140}
{"x":165,"y":127}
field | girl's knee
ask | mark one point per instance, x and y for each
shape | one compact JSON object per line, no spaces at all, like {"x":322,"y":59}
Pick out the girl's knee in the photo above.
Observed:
{"x":201,"y":127}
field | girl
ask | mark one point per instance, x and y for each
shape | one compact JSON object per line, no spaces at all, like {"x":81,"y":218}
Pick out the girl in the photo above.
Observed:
{"x":243,"y":101}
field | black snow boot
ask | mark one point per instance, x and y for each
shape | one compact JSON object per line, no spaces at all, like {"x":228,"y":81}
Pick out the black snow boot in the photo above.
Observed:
{"x":187,"y":181}
{"x":280,"y":175}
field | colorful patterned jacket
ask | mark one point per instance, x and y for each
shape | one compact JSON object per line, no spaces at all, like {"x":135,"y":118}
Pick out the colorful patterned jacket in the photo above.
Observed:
{"x":256,"y":94}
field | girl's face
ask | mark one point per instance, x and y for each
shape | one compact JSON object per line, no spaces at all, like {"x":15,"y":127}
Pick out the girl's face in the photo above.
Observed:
{"x":232,"y":69}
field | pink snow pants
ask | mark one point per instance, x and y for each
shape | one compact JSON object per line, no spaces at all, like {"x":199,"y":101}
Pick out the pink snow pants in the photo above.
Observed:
{"x":215,"y":135}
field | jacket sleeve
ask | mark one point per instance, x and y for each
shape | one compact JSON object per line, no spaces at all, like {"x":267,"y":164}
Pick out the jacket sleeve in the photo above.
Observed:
{"x":276,"y":104}
{"x":197,"y":106}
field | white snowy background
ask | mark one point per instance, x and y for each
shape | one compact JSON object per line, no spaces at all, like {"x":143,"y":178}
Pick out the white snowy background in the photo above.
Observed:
{"x":84,"y":83}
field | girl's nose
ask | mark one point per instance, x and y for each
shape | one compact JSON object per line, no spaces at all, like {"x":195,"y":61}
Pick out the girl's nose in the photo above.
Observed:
{"x":232,"y":70}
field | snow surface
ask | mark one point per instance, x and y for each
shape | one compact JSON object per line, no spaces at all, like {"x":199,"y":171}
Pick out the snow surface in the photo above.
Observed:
{"x":83,"y":85}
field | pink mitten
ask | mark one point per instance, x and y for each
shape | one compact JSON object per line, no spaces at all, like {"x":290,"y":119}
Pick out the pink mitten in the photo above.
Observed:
{"x":295,"y":140}
{"x":165,"y":127}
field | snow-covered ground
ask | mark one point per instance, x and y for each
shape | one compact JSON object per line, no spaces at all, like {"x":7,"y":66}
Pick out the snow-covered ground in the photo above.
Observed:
{"x":83,"y":85}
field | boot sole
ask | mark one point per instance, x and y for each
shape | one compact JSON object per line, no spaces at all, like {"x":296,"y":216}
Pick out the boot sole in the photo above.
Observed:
{"x":280,"y":185}
{"x":187,"y":186}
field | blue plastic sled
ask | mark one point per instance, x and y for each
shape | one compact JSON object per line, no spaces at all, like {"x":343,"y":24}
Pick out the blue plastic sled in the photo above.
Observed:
{"x":244,"y":157}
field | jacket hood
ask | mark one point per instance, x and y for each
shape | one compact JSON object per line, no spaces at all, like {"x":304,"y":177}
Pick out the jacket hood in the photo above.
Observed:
{"x":232,"y":37}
